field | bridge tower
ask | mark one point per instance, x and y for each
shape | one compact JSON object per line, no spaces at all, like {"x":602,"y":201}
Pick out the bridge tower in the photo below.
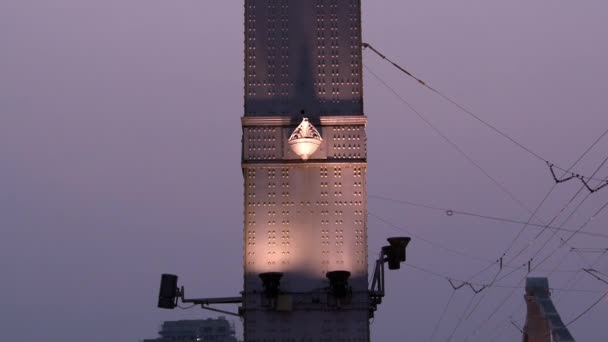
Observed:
{"x":304,"y":162}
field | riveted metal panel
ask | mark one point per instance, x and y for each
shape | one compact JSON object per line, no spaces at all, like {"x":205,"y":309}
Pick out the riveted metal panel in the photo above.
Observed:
{"x":304,"y":218}
{"x":347,"y":142}
{"x":303,"y":56}
{"x":349,"y":325}
{"x":262,"y":142}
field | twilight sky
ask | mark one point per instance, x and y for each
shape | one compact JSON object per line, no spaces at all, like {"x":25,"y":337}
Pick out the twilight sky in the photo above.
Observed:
{"x":120,"y":160}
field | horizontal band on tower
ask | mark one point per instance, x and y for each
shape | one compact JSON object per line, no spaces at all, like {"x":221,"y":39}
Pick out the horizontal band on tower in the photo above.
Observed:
{"x":289,"y":120}
{"x":300,"y":163}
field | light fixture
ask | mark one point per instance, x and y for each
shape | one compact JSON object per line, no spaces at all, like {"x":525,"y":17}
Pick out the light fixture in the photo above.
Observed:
{"x":395,"y":252}
{"x":399,"y":244}
{"x":167,"y":297}
{"x":271,"y":282}
{"x":305,"y":140}
{"x":338,"y":282}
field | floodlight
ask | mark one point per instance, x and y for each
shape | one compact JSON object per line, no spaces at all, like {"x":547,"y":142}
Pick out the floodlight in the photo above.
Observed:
{"x":271,"y":282}
{"x":167,"y":298}
{"x":399,"y":244}
{"x":338,"y":281}
{"x":392,"y":257}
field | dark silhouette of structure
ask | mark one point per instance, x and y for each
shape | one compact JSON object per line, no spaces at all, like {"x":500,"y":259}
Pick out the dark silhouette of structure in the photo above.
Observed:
{"x":203,"y":330}
{"x":543,"y":323}
{"x":304,"y":164}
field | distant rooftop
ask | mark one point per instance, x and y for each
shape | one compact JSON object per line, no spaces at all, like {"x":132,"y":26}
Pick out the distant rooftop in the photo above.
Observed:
{"x":200,"y":330}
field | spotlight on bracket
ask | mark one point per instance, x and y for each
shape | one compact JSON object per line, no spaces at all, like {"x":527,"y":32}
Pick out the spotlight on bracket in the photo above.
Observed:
{"x":396,"y":251}
{"x":170,"y":294}
{"x":393,"y":255}
{"x":338,"y":282}
{"x":271,"y":282}
{"x":391,"y":258}
{"x":399,"y":244}
{"x":167,"y":298}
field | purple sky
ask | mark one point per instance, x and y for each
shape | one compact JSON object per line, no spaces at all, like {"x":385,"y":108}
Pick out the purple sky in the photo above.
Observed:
{"x":120,"y":158}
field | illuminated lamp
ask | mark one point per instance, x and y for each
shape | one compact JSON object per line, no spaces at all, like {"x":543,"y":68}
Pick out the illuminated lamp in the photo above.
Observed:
{"x":305,"y":140}
{"x":338,"y":282}
{"x":271,"y":282}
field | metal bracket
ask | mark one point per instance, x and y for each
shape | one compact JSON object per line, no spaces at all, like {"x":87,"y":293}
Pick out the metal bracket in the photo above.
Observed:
{"x":205,"y":302}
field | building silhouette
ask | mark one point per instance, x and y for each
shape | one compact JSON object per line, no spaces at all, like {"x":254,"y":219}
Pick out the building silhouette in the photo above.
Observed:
{"x":202,"y":330}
